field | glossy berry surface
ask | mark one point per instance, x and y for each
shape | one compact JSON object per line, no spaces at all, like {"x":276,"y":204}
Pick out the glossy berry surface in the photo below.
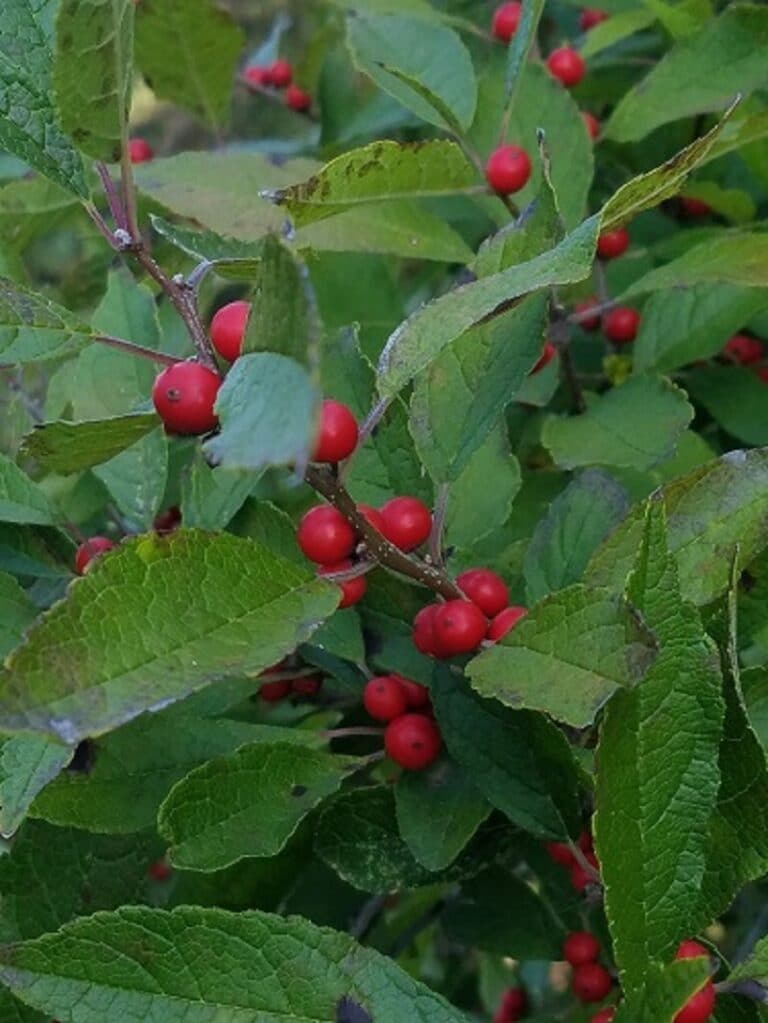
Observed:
{"x":373,"y":515}
{"x":591,"y":982}
{"x":621,"y":324}
{"x":506,"y":18}
{"x":412,"y":741}
{"x":561,"y":853}
{"x":459,"y":627}
{"x":417,"y":696}
{"x":352,"y":590}
{"x":744,"y":349}
{"x":484,"y":588}
{"x":591,"y":123}
{"x":508,"y":169}
{"x":513,"y":1007}
{"x":423,"y":632}
{"x":699,"y":1008}
{"x":90,"y":549}
{"x":407,"y":522}
{"x":694,"y":207}
{"x":280,"y":74}
{"x":548,"y":353}
{"x":273,"y":692}
{"x":140,"y":151}
{"x":612,"y":244}
{"x":297,"y":99}
{"x":566,"y":65}
{"x":228,"y":329}
{"x":257,"y":76}
{"x":590,"y":17}
{"x":606,"y":1015}
{"x":325,"y":536}
{"x":337,"y":433}
{"x":184,"y":395}
{"x":384,"y":698}
{"x":592,"y":322}
{"x":504,"y":622}
{"x":581,"y":947}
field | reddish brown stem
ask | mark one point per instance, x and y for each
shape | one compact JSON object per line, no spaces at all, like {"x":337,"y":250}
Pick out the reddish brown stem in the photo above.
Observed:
{"x":132,"y":349}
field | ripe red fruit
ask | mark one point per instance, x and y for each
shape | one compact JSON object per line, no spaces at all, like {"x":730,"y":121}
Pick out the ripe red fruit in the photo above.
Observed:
{"x":337,"y":433}
{"x":228,"y":329}
{"x":352,"y":590}
{"x":90,"y":549}
{"x":591,"y":123}
{"x":373,"y":515}
{"x":591,"y":982}
{"x":407,"y":522}
{"x":384,"y":698}
{"x":590,"y":17}
{"x":581,"y":947}
{"x":307,"y":685}
{"x":297,"y":99}
{"x":585,"y":842}
{"x":621,"y":324}
{"x":762,"y":372}
{"x":566,"y":65}
{"x":560,"y":853}
{"x":593,"y":322}
{"x":700,"y":1007}
{"x":744,"y":349}
{"x":506,"y":18}
{"x":412,"y":741}
{"x":514,"y":1005}
{"x":504,"y":622}
{"x":159,"y":871}
{"x":484,"y":588}
{"x":604,"y":1016}
{"x":417,"y":696}
{"x":424,"y":630}
{"x":694,"y":207}
{"x":280,"y":74}
{"x":690,"y":949}
{"x":508,"y":169}
{"x":612,"y":244}
{"x":167,"y":521}
{"x":257,"y":76}
{"x":273,"y":692}
{"x":548,"y":353}
{"x":325,"y":536}
{"x":580,"y":877}
{"x":140,"y":151}
{"x":459,"y":627}
{"x":184,"y":395}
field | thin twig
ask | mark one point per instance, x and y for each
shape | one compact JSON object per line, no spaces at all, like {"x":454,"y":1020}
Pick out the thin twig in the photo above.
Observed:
{"x":114,"y":201}
{"x":421,"y":923}
{"x":560,"y":335}
{"x":129,"y":193}
{"x":132,"y":349}
{"x":595,"y":310}
{"x":101,"y":224}
{"x":350,"y":733}
{"x":361,"y":568}
{"x":438,"y":526}
{"x":369,"y":913}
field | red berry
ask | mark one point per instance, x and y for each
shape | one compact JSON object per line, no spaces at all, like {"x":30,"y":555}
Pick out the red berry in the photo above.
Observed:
{"x":504,"y":622}
{"x":325,"y":536}
{"x":591,"y":982}
{"x":566,"y":65}
{"x":604,"y":1016}
{"x":352,"y":590}
{"x":407,"y":522}
{"x":580,"y":877}
{"x":585,"y":842}
{"x":515,"y":1002}
{"x":384,"y":698}
{"x":412,"y":741}
{"x":258,"y":76}
{"x":280,"y":74}
{"x":417,"y":696}
{"x":228,"y":329}
{"x":621,"y":324}
{"x":591,"y":123}
{"x":700,"y":1007}
{"x":581,"y":947}
{"x":548,"y":353}
{"x":424,"y":630}
{"x":560,"y":853}
{"x":484,"y":588}
{"x":273,"y":692}
{"x":690,"y":949}
{"x":694,"y":207}
{"x":159,"y":871}
{"x":762,"y":372}
{"x":506,"y":18}
{"x":508,"y":169}
{"x":459,"y":627}
{"x":139,"y":151}
{"x":373,"y":515}
{"x":167,"y":521}
{"x":744,"y":349}
{"x":90,"y":549}
{"x":590,"y":17}
{"x":593,"y":322}
{"x":337,"y":433}
{"x":297,"y":99}
{"x":307,"y":685}
{"x":184,"y":395}
{"x":612,"y":244}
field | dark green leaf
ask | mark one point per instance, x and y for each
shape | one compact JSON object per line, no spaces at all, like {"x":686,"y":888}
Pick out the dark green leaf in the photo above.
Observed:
{"x":21,"y":499}
{"x":17,"y":612}
{"x":33,"y":328}
{"x":27,"y":764}
{"x":665,"y":990}
{"x":280,"y":315}
{"x":210,"y":498}
{"x":72,"y":447}
{"x":735,"y":398}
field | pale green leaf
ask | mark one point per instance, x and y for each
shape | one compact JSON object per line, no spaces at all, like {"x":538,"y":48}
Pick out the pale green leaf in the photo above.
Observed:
{"x":735,"y":398}
{"x":474,"y":510}
{"x":21,"y":499}
{"x":17,"y":612}
{"x":27,"y":764}
{"x":280,"y":319}
{"x":33,"y":328}
{"x":137,"y":477}
{"x":755,"y":966}
{"x":210,"y":498}
{"x":619,"y":26}
{"x":231,"y":256}
{"x":732,"y":258}
{"x":64,"y":447}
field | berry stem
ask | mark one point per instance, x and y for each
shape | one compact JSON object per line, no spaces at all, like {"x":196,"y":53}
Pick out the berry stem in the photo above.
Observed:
{"x":438,"y":526}
{"x":560,"y":335}
{"x":112,"y":196}
{"x":593,"y":311}
{"x":747,"y":988}
{"x":132,"y":349}
{"x":347,"y":733}
{"x":325,"y":482}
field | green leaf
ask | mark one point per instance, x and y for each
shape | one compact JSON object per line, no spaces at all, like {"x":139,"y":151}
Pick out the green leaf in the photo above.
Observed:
{"x":137,"y":477}
{"x":266,"y":407}
{"x":577,"y":522}
{"x":480,"y":918}
{"x":438,"y":811}
{"x":280,"y":317}
{"x":519,"y":761}
{"x":231,"y":256}
{"x":665,"y":990}
{"x":682,"y":325}
{"x":619,"y":26}
{"x":523,"y":40}
{"x":248,"y":803}
{"x":388,"y":463}
{"x":206,"y":45}
{"x":63,"y":447}
{"x":474,"y":509}
{"x":32,"y":328}
{"x":380,"y":170}
{"x":29,"y":124}
{"x":93,"y":73}
{"x":154,"y":621}
{"x":755,"y":966}
{"x":658,"y":773}
{"x":21,"y":499}
{"x":634,"y":426}
{"x":392,"y":49}
{"x":17,"y":612}
{"x":249,"y":963}
{"x":32,"y":207}
{"x":731,"y":258}
{"x":210,"y":498}
{"x":729,"y":47}
{"x":567,"y":657}
{"x":735,"y":398}
{"x":13,"y":1011}
{"x":27,"y":764}
{"x":414,"y":8}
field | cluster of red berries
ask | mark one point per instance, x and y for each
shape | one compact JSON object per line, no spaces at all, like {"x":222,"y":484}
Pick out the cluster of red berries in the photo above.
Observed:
{"x":562,"y":854}
{"x":281,"y":688}
{"x":591,"y":982}
{"x":278,"y":76}
{"x":411,"y":738}
{"x":701,"y":1006}
{"x":745,"y":350}
{"x":513,"y":1007}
